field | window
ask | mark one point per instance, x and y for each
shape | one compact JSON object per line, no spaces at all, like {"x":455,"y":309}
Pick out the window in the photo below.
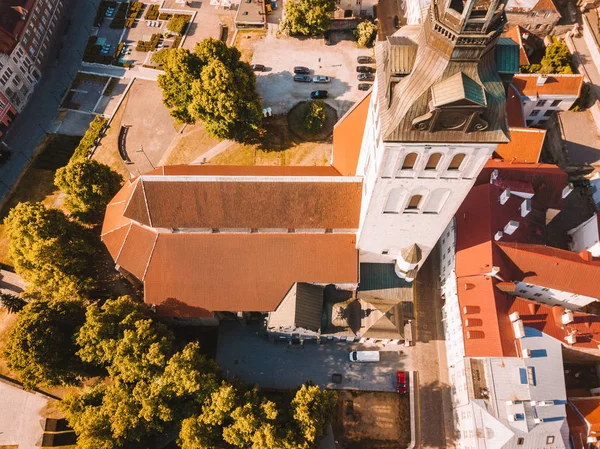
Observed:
{"x":385,"y":251}
{"x":542,"y":103}
{"x":529,"y":285}
{"x":392,"y":204}
{"x":548,"y":113}
{"x":433,"y":161}
{"x":545,"y":289}
{"x":413,"y":204}
{"x":538,"y":26}
{"x":550,"y":439}
{"x":456,"y":161}
{"x":436,"y":202}
{"x":520,"y":441}
{"x":409,"y":161}
{"x":522,"y":291}
{"x":534,"y":113}
{"x":556,"y":103}
{"x":2,"y":106}
{"x":537,"y":295}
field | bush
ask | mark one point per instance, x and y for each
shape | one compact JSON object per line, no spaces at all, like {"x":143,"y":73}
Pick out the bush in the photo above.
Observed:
{"x":178,"y":24}
{"x":176,"y":41}
{"x":160,"y":56}
{"x":151,"y":12}
{"x":365,"y":33}
{"x":315,"y":116}
{"x":90,"y":137}
{"x":164,"y":16}
{"x":129,"y":23}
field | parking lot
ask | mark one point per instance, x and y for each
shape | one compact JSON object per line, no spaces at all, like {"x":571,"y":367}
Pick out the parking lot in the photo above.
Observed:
{"x":279,"y":55}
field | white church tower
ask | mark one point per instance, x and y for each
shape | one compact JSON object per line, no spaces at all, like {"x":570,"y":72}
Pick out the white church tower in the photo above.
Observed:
{"x":437,"y":114}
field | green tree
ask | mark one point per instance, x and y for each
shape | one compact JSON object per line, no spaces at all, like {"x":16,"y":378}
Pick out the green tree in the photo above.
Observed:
{"x":557,"y":58}
{"x":160,"y":56}
{"x":365,"y":33}
{"x":12,"y":303}
{"x":215,"y":86}
{"x":315,"y":116}
{"x":177,"y":24}
{"x":89,"y":186}
{"x":49,"y":251}
{"x":307,"y":17}
{"x":313,"y":409}
{"x":41,"y":348}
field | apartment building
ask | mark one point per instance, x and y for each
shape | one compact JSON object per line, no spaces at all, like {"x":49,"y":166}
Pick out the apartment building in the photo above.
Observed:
{"x":28,"y":31}
{"x":537,"y":16}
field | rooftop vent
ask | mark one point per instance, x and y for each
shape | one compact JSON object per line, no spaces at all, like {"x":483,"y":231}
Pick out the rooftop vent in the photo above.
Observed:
{"x":494,"y":175}
{"x":504,"y":196}
{"x":571,"y":339}
{"x":538,"y":420}
{"x":567,"y":317}
{"x":567,"y":190}
{"x":511,"y":227}
{"x":545,"y":403}
{"x":541,"y":80}
{"x":525,"y":207}
{"x":518,"y":328}
{"x":498,"y":235}
{"x":514,"y":317}
{"x":526,"y":353}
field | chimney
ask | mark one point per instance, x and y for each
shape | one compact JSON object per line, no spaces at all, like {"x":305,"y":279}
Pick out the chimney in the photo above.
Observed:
{"x":514,"y":317}
{"x":541,"y":80}
{"x":567,"y":317}
{"x":511,"y":227}
{"x":504,"y":196}
{"x":571,"y":339}
{"x":586,"y":255}
{"x":498,"y":235}
{"x":525,"y":207}
{"x":567,"y":190}
{"x":494,"y":176}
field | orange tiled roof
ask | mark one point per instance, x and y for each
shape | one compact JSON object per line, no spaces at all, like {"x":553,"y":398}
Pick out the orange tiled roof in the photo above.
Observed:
{"x":348,"y":135}
{"x":516,"y":34}
{"x":590,"y":409}
{"x":243,"y":170}
{"x":514,"y":108}
{"x":566,"y":85}
{"x":544,"y":5}
{"x":554,"y":268}
{"x":577,"y":428}
{"x":525,"y":145}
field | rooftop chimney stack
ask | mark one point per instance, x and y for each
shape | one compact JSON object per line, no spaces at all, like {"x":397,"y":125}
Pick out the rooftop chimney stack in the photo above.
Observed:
{"x":541,"y":80}
{"x":525,"y":207}
{"x":498,"y":235}
{"x":494,"y":176}
{"x":511,"y":227}
{"x":567,"y":190}
{"x":504,"y":196}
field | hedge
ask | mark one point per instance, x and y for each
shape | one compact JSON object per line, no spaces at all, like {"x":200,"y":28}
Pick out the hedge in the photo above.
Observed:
{"x":164,"y":16}
{"x":90,"y":138}
{"x":148,"y":45}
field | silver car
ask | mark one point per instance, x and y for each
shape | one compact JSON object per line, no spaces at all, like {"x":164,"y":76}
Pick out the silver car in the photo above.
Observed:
{"x":321,"y":79}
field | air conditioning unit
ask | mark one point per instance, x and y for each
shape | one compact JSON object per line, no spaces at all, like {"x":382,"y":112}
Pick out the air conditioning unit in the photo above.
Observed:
{"x":567,"y":190}
{"x":526,"y":353}
{"x":514,"y":317}
{"x":498,"y":235}
{"x":525,"y":207}
{"x":511,"y":227}
{"x":504,"y":196}
{"x":592,"y":439}
{"x":567,"y":317}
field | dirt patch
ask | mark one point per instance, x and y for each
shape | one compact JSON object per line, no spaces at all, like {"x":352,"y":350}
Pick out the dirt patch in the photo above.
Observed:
{"x":189,"y":146}
{"x":296,"y":122}
{"x":245,"y":42}
{"x":372,"y":420}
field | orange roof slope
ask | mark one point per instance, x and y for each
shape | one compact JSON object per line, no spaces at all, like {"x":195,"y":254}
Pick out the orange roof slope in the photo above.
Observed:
{"x":208,"y":202}
{"x":554,"y":268}
{"x":555,"y":84}
{"x":525,"y":145}
{"x":514,"y":108}
{"x":348,"y":135}
{"x":515,"y":33}
{"x":590,"y":409}
{"x":192,"y":274}
{"x":243,"y":170}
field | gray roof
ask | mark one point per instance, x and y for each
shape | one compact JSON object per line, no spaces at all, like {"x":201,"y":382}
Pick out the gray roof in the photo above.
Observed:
{"x":403,"y":52}
{"x":458,"y":89}
{"x":301,"y":307}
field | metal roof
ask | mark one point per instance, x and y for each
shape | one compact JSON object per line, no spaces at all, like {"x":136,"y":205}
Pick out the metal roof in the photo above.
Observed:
{"x":457,"y":89}
{"x":403,"y":52}
{"x":507,"y":56}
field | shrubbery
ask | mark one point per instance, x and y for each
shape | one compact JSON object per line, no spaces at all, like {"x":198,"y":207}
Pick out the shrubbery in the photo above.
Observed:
{"x":178,"y":23}
{"x":315,"y":116}
{"x":149,"y":45}
{"x":365,"y":33}
{"x":151,"y":12}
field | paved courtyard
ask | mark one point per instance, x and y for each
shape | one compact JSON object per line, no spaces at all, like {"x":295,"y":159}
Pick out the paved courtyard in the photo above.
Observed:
{"x":279,"y":55}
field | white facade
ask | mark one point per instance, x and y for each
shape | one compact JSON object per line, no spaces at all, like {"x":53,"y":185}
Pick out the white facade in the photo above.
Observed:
{"x":359,"y":8}
{"x":586,"y":237}
{"x":416,"y":11}
{"x":408,"y":199}
{"x":539,"y":108}
{"x":551,"y":296}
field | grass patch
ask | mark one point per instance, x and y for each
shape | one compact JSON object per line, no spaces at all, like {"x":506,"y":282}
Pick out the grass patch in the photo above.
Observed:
{"x":245,"y":41}
{"x":190,"y":145}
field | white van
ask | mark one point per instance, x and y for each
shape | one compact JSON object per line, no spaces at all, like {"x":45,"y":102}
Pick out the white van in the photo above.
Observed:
{"x":364,"y":356}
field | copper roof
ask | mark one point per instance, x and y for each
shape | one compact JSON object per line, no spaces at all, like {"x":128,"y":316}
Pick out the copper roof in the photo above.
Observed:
{"x":403,"y":52}
{"x":559,"y":84}
{"x":347,"y":137}
{"x":178,"y":202}
{"x":412,"y":254}
{"x":516,"y":34}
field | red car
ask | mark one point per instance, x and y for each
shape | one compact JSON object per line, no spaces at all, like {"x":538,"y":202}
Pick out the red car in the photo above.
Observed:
{"x":401,"y":384}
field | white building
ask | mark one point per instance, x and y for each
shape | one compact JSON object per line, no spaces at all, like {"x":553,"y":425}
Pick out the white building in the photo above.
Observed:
{"x":542,"y":95}
{"x":586,"y":237}
{"x":356,"y":8}
{"x":432,"y":124}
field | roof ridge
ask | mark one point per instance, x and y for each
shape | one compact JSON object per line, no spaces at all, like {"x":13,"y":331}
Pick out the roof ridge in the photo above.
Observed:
{"x":124,"y":241}
{"x":146,"y":202}
{"x":150,"y":256}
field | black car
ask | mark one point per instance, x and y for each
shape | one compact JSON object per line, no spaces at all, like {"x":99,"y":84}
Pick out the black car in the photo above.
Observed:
{"x":258,"y":67}
{"x":365,"y":69}
{"x":318,"y":94}
{"x":364,"y":86}
{"x":365,"y":77}
{"x":302,"y":70}
{"x":396,"y":22}
{"x":302,"y":78}
{"x":365,"y":60}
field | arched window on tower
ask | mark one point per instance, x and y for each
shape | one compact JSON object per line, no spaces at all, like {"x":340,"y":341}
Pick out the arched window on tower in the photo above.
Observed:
{"x":456,"y":161}
{"x":409,"y":161}
{"x":413,"y":204}
{"x":433,"y":161}
{"x":394,"y":201}
{"x":436,"y":201}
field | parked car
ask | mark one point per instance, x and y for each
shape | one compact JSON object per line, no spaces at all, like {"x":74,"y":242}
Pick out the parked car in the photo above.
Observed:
{"x":318,"y":94}
{"x":365,"y":60}
{"x":401,"y":384}
{"x":364,"y":356}
{"x":364,"y":86}
{"x":258,"y":67}
{"x":365,"y":69}
{"x":365,"y":77}
{"x":301,"y":70}
{"x":321,"y":79}
{"x":302,"y":78}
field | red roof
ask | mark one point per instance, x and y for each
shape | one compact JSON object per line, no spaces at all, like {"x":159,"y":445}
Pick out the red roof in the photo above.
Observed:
{"x":577,"y":427}
{"x":553,"y":268}
{"x":348,"y":135}
{"x":525,"y":145}
{"x":560,"y":85}
{"x":514,"y":108}
{"x":516,"y":34}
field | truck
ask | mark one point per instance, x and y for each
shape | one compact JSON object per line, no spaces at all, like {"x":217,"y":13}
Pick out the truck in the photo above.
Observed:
{"x":364,"y":356}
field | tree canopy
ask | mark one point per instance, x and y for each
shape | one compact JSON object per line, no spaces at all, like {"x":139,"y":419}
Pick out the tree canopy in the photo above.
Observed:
{"x":557,"y":58}
{"x":41,"y":348}
{"x":49,"y":251}
{"x":213,"y":85}
{"x":307,"y":17}
{"x":365,"y":33}
{"x":12,"y":303}
{"x":89,"y":186}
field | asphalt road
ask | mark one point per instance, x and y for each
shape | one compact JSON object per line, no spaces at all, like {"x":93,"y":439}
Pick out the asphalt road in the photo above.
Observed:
{"x":38,"y":117}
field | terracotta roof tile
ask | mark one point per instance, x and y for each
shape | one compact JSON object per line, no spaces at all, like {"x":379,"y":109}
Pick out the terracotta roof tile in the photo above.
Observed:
{"x":191,"y":274}
{"x":198,"y":202}
{"x":348,"y":135}
{"x":555,"y":85}
{"x":242,"y":170}
{"x":514,"y":109}
{"x":553,"y":268}
{"x":545,"y":5}
{"x":114,"y":239}
{"x":525,"y":145}
{"x":137,"y":249}
{"x":577,"y":427}
{"x":590,"y":409}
